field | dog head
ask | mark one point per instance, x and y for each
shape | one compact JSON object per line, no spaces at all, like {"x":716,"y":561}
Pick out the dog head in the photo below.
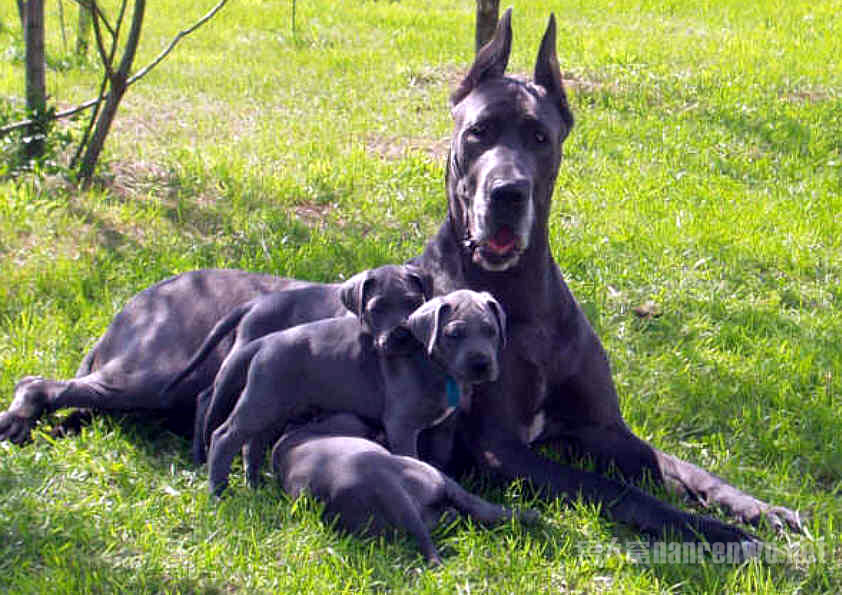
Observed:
{"x":506,"y":150}
{"x":384,"y":297}
{"x":462,"y":331}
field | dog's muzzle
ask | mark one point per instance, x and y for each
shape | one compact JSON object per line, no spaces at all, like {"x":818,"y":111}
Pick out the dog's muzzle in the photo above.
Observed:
{"x":502,"y":220}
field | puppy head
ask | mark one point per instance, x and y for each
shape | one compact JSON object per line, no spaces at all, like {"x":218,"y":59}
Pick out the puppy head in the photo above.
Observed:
{"x":384,"y":297}
{"x":463,"y":332}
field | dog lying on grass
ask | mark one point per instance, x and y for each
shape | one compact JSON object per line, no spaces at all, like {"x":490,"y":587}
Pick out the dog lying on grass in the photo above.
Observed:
{"x":336,"y":365}
{"x":280,"y":310}
{"x":366,"y":489}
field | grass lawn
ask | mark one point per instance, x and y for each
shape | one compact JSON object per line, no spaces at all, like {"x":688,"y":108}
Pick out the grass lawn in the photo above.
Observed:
{"x":703,"y":179}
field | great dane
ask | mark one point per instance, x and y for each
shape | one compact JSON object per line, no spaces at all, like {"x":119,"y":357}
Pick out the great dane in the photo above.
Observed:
{"x":367,"y":489}
{"x":555,"y":385}
{"x":347,"y":364}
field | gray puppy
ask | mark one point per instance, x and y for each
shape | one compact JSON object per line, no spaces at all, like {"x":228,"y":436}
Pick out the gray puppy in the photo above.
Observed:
{"x":374,"y":302}
{"x":446,"y":346}
{"x":280,"y":310}
{"x":369,"y":490}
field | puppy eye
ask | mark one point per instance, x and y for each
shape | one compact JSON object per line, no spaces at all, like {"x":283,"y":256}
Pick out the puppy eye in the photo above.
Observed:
{"x":477,"y":131}
{"x":454,"y":332}
{"x":540,"y":137}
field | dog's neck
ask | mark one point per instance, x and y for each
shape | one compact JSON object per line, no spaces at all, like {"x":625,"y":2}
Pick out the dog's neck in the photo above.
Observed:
{"x":525,"y":290}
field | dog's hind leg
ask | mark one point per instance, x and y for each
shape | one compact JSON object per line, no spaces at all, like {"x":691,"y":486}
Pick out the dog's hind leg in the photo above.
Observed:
{"x":473,"y":506}
{"x":35,"y":396}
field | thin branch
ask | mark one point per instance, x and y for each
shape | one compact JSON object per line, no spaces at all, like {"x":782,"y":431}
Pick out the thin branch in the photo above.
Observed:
{"x":92,"y":6}
{"x":143,"y":71}
{"x":117,"y":26}
{"x":61,"y":21}
{"x":131,"y":80}
{"x":107,"y":60}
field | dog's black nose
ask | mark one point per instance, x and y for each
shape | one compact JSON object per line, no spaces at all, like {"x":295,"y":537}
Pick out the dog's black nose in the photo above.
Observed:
{"x":479,"y":365}
{"x":511,"y":192}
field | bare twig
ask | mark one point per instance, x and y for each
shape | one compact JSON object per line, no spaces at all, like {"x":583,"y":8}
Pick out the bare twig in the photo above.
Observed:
{"x":92,"y":6}
{"x":118,"y":88}
{"x":106,"y":58}
{"x":143,"y":71}
{"x":61,"y":22}
{"x":131,"y":80}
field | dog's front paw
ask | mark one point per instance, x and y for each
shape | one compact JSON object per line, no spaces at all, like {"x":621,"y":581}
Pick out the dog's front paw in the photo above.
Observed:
{"x":15,"y":428}
{"x":27,"y":406}
{"x":528,"y":517}
{"x":778,"y":517}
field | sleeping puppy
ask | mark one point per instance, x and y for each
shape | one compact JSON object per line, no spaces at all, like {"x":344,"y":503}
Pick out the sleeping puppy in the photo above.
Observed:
{"x":422,"y":372}
{"x":367,"y":489}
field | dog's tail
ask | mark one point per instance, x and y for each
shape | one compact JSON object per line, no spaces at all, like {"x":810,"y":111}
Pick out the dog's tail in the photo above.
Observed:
{"x":482,"y":510}
{"x":218,"y":332}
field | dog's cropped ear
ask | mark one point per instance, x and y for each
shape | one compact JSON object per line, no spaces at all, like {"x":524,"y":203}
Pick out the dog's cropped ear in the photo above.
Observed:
{"x":491,"y":60}
{"x":352,"y":292}
{"x":499,"y":315}
{"x":423,"y":278}
{"x":548,"y":74}
{"x":425,"y":321}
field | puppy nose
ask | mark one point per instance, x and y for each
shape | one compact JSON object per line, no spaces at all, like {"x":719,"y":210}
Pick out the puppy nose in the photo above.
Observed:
{"x":479,"y":365}
{"x":512,"y":191}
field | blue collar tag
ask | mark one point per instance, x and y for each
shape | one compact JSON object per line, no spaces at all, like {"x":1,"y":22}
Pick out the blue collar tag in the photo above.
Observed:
{"x":453,"y":392}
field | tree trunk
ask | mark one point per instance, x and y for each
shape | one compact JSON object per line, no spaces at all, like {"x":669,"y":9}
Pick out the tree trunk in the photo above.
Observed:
{"x":36,"y":86}
{"x":117,"y":87}
{"x":83,"y":28}
{"x":487,"y":13}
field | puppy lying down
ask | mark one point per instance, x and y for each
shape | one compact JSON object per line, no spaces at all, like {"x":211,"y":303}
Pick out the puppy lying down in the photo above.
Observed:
{"x":369,"y":490}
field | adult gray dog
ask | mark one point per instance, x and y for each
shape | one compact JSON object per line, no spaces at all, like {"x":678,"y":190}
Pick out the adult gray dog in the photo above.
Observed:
{"x":555,"y":385}
{"x":366,"y":489}
{"x":339,"y":364}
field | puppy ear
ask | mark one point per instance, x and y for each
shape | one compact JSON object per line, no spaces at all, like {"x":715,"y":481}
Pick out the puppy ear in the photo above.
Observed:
{"x":352,"y":292}
{"x":548,"y":74}
{"x":425,"y":321}
{"x":491,"y":60}
{"x":423,"y":278}
{"x":499,"y":315}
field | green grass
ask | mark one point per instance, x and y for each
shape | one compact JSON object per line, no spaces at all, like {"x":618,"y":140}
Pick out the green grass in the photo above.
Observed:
{"x":704,"y":174}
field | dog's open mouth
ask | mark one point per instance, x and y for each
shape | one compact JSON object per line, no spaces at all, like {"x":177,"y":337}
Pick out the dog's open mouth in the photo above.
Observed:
{"x":499,"y":249}
{"x":503,"y":242}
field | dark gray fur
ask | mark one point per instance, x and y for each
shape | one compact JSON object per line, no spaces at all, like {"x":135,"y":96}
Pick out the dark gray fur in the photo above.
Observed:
{"x":369,"y":490}
{"x":274,"y":312}
{"x":336,"y":365}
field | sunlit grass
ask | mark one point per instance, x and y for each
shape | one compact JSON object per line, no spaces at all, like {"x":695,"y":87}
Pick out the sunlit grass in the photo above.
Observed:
{"x":704,"y":175}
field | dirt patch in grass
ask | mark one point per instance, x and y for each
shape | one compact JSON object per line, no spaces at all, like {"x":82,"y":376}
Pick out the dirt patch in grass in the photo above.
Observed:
{"x":393,"y":148}
{"x":805,"y":96}
{"x":315,"y":215}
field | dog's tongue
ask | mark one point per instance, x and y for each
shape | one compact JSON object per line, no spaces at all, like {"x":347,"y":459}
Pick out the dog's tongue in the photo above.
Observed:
{"x":503,"y":241}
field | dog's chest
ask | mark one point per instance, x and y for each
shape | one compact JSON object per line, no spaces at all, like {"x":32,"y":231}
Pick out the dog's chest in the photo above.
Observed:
{"x":536,"y":362}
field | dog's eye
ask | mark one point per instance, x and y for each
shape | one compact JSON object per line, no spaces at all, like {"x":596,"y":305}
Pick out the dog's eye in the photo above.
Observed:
{"x":377,"y":306}
{"x":413,"y":303}
{"x":477,"y":131}
{"x":454,"y":331}
{"x":540,"y":137}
